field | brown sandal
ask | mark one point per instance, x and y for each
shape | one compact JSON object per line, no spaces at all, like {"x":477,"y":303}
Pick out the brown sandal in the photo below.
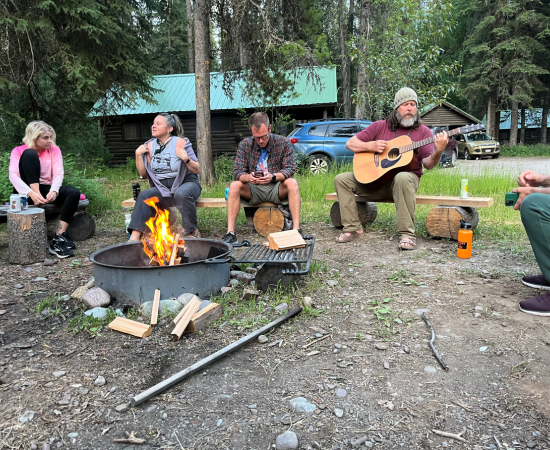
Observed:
{"x":194,"y":234}
{"x":353,"y":235}
{"x":407,"y":243}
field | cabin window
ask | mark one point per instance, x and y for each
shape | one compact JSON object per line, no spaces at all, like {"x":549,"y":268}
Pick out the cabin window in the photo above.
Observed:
{"x":131,"y":131}
{"x":220,"y":124}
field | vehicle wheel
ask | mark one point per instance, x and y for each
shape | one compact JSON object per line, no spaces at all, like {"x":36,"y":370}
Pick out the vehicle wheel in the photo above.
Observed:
{"x":454,"y":157}
{"x":466,"y":155}
{"x":495,"y":156}
{"x":319,"y":164}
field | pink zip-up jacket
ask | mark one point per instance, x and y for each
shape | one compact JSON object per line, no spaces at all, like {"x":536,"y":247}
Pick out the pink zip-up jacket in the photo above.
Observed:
{"x":51,"y":168}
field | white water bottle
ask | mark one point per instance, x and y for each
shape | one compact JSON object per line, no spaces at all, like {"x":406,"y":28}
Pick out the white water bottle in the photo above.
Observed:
{"x":127,"y":219}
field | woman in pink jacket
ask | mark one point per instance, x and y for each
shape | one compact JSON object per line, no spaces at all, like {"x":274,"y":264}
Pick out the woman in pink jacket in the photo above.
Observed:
{"x":36,"y":170}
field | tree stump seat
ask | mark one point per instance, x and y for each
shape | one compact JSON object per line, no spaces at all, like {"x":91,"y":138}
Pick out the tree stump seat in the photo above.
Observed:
{"x":82,"y":226}
{"x":442,"y":221}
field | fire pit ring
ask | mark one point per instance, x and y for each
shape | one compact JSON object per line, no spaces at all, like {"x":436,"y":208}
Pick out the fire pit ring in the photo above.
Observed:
{"x":122,"y":270}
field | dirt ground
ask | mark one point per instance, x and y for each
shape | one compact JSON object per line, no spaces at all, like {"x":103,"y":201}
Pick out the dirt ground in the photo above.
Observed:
{"x":374,"y":375}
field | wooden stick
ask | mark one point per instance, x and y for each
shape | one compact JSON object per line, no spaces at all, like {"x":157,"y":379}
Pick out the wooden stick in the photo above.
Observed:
{"x":316,"y":340}
{"x":130,"y":439}
{"x":191,"y":308}
{"x":200,"y":365}
{"x":458,"y":436}
{"x":182,"y":311}
{"x":431,"y":343}
{"x":130,"y":327}
{"x":155,"y":311}
{"x":174,"y":250}
{"x":205,"y":317}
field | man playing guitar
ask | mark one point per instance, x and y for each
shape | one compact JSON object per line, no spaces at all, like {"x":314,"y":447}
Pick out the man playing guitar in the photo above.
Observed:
{"x":403,"y":121}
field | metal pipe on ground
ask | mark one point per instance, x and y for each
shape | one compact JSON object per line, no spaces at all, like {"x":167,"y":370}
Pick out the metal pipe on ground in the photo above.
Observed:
{"x":176,"y":378}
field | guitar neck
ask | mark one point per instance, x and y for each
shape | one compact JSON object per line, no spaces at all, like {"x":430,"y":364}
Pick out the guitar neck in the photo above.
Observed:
{"x":415,"y":145}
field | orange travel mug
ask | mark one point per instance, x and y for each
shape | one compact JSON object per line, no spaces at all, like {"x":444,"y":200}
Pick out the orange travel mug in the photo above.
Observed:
{"x":465,"y":238}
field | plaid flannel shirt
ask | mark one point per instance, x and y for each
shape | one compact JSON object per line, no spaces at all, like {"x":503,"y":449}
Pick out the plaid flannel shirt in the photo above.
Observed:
{"x":280,"y":160}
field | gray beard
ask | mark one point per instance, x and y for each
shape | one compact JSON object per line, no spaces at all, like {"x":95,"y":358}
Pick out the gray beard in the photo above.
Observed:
{"x":406,"y":123}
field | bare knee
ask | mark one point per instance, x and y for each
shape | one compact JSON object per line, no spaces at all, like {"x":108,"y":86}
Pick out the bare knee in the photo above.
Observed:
{"x":235,"y":188}
{"x":292,"y":185}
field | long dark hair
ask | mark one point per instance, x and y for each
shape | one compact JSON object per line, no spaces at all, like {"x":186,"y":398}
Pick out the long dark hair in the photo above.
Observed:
{"x":394,"y":124}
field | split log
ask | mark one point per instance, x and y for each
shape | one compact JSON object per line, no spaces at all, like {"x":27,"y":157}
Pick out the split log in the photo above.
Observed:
{"x":131,"y":327}
{"x":174,"y":250}
{"x":155,"y":311}
{"x":27,"y":236}
{"x":205,"y":317}
{"x":367,"y":212}
{"x":268,"y":220}
{"x":285,"y":240}
{"x":182,"y":312}
{"x":444,"y":221}
{"x":190,"y":309}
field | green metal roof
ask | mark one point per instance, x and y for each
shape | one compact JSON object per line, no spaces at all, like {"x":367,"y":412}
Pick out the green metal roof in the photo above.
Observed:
{"x":178,"y":93}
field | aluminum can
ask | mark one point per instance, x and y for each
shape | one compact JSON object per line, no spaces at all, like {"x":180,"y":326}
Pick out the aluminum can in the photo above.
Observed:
{"x":226,"y":193}
{"x":24,"y":202}
{"x":464,"y":188}
{"x":15,"y":203}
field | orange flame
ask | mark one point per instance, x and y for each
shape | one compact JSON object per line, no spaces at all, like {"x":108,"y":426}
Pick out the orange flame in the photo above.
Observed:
{"x":159,"y":245}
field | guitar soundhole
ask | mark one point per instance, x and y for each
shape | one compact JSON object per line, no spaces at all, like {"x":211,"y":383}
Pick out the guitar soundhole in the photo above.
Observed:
{"x":393,"y":153}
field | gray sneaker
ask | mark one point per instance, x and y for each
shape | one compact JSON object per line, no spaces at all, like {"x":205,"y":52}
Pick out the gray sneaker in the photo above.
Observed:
{"x":230,"y":238}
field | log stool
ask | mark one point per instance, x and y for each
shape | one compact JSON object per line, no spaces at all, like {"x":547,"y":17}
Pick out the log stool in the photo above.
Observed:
{"x":367,"y":213}
{"x":444,"y":221}
{"x":27,"y":241}
{"x":265,"y":218}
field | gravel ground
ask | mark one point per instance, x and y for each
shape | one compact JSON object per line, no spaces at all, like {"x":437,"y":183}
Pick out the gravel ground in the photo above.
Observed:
{"x":373,"y":379}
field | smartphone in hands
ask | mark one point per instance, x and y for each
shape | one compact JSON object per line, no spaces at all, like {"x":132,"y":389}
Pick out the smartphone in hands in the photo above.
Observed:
{"x":511,"y":198}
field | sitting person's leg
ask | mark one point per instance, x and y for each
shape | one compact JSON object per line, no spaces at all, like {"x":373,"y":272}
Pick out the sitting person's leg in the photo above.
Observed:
{"x":404,"y":187}
{"x":143,"y":212}
{"x":535,"y":215}
{"x":289,"y":189}
{"x":67,"y":198}
{"x":185,"y":199}
{"x":237,"y":191}
{"x":347,"y":187}
{"x":29,"y":167}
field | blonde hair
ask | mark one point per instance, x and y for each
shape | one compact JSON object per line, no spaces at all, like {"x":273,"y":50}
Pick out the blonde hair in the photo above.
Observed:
{"x":34,"y":130}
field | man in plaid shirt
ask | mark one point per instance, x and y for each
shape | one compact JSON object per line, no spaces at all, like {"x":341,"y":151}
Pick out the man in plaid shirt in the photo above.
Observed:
{"x":263,"y":171}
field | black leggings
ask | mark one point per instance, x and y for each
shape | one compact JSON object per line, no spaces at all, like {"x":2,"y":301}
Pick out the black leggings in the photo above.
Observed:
{"x":67,"y":197}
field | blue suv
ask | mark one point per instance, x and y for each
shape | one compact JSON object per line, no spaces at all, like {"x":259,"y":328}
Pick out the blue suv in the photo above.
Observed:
{"x":323,"y":142}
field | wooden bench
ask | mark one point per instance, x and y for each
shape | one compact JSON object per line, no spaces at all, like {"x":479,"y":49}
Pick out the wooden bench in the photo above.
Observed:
{"x":82,"y":226}
{"x":442,"y":221}
{"x":265,"y":217}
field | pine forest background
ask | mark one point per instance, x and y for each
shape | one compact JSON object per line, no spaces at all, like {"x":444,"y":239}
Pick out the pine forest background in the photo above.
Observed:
{"x":58,"y":58}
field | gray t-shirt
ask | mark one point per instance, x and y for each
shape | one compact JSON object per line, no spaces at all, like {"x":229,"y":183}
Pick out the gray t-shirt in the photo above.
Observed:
{"x":166,"y":164}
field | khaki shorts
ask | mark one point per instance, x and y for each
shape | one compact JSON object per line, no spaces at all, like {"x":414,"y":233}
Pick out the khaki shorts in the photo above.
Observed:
{"x":264,"y":193}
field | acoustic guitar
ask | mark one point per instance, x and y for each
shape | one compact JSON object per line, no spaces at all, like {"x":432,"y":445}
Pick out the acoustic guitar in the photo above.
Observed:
{"x":377,"y":169}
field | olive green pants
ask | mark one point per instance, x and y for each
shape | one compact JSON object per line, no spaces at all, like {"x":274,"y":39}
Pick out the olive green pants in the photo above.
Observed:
{"x":535,"y":215}
{"x":402,"y":189}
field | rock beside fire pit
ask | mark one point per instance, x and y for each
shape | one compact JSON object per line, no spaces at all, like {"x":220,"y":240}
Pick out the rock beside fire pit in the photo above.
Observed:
{"x":95,"y":297}
{"x":186,"y":298}
{"x":166,"y":307}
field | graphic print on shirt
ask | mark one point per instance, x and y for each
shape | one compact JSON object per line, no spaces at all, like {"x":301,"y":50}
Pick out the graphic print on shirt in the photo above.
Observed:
{"x":262,"y":162}
{"x":161,"y":163}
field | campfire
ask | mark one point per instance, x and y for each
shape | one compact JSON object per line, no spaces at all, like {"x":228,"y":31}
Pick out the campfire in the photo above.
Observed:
{"x":162,"y":246}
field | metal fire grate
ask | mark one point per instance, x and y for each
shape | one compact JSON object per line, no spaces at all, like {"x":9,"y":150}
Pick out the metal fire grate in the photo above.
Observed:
{"x":258,"y":254}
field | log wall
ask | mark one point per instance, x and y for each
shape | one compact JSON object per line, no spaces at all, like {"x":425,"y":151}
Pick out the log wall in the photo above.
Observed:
{"x":228,"y":129}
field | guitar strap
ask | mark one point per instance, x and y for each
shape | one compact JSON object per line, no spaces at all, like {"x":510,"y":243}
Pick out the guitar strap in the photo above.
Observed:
{"x":407,"y":133}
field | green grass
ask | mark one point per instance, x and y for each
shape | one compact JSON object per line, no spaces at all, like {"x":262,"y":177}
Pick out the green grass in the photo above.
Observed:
{"x":89,"y":324}
{"x":525,"y":150}
{"x":497,"y":224}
